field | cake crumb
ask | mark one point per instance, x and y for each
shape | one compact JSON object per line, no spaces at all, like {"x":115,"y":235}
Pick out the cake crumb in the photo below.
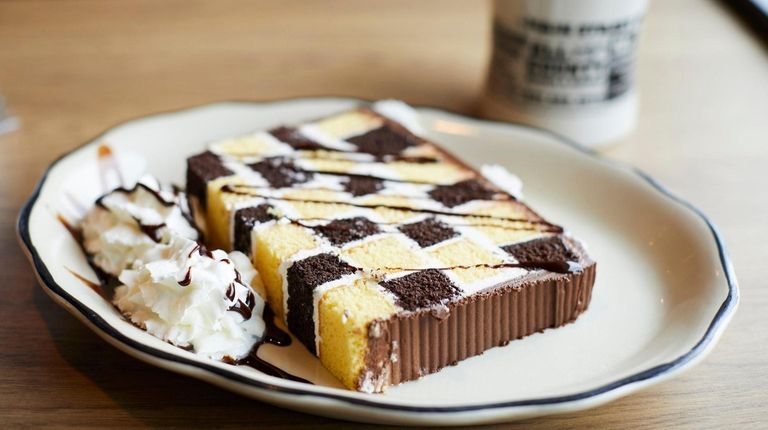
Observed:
{"x":375,"y":330}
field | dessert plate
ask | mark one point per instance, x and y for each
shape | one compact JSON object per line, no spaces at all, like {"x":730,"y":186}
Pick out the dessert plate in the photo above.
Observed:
{"x":665,"y":287}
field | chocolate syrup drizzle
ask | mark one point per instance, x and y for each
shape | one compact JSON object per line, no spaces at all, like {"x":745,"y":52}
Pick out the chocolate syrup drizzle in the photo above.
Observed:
{"x":272,"y":335}
{"x":310,"y":172}
{"x":151,"y":230}
{"x":187,"y":278}
{"x":257,"y":187}
{"x":92,"y":285}
{"x":317,"y":154}
{"x":230,"y":293}
{"x":544,"y":229}
{"x":124,"y":190}
{"x":361,"y":175}
{"x":235,"y":190}
{"x":105,"y":279}
{"x":245,"y":309}
{"x":550,"y":266}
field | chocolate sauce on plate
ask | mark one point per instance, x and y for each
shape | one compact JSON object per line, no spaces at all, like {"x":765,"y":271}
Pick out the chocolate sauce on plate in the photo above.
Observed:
{"x":272,"y":335}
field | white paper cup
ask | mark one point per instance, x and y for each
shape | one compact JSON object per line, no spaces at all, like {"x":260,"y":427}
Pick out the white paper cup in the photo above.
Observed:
{"x":566,"y":65}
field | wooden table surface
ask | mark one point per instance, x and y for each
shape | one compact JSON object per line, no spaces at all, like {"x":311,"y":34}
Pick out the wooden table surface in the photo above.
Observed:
{"x":71,"y":69}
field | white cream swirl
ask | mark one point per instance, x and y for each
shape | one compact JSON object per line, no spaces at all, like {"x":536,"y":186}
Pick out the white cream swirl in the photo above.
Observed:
{"x":193,"y":298}
{"x":125,"y":224}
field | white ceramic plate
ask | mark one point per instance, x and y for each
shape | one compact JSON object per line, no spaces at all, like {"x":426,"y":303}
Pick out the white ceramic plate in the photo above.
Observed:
{"x":665,"y":288}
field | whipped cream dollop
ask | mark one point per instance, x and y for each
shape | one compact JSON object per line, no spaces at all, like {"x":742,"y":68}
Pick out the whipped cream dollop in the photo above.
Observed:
{"x":171,"y":285}
{"x":195,"y":299}
{"x":125,"y":224}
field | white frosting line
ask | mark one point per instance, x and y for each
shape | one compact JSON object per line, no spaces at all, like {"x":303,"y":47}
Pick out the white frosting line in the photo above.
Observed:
{"x":322,"y":181}
{"x":484,"y":242}
{"x":317,"y":295}
{"x":376,"y":169}
{"x":503,"y":179}
{"x":242,"y":171}
{"x":400,"y":112}
{"x":504,"y":275}
{"x":312,"y":132}
{"x":404,"y":189}
{"x":283,"y":268}
{"x":273,"y":148}
{"x":281,"y":147}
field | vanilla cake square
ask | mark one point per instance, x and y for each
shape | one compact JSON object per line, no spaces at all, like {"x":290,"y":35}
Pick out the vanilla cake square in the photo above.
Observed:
{"x":386,"y":256}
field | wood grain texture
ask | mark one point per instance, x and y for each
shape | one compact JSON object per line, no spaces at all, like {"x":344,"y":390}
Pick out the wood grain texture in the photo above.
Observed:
{"x":71,"y":69}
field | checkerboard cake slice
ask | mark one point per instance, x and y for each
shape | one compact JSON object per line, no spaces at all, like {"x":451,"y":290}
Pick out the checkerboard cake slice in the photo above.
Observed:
{"x":384,"y":255}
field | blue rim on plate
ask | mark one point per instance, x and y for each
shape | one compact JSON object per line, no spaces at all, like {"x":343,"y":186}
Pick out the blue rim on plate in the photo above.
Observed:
{"x":715,"y":326}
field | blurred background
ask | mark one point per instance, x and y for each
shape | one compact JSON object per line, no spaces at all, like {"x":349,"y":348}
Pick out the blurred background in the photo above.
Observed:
{"x":71,"y":69}
{"x":82,"y":66}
